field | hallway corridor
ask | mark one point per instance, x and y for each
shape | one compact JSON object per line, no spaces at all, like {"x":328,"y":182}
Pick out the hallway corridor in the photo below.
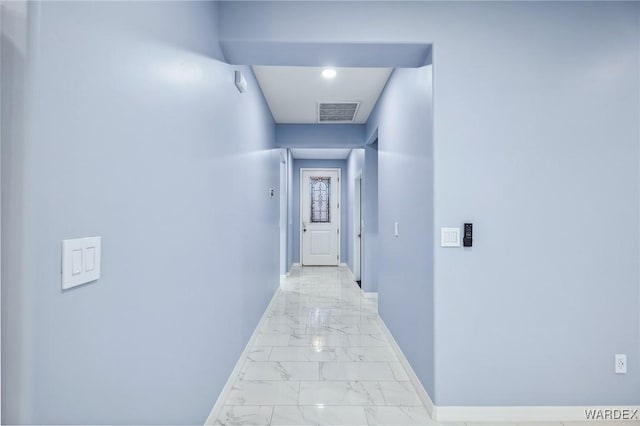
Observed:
{"x":321,"y":358}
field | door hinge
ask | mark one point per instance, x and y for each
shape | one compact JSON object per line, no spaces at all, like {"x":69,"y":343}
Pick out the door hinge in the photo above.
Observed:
{"x":338,"y":205}
{"x":338,"y":230}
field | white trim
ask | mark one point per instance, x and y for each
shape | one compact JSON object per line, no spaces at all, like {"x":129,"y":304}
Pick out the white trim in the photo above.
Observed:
{"x":422,"y":393}
{"x":226,"y":390}
{"x":283,"y":207}
{"x":344,"y":265}
{"x":306,"y":169}
{"x":294,"y":265}
{"x":370,"y":294}
{"x":521,"y":414}
{"x":494,"y":414}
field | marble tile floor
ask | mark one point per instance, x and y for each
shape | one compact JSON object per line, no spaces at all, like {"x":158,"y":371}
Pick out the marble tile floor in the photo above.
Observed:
{"x":322,"y":359}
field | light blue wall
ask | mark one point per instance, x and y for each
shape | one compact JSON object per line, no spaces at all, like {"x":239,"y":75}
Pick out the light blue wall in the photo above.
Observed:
{"x":134,"y":130}
{"x":403,"y":119}
{"x":370,"y":215}
{"x":355,"y":165}
{"x":536,"y":110}
{"x":544,"y":172}
{"x":320,"y":135}
{"x":295,"y":197}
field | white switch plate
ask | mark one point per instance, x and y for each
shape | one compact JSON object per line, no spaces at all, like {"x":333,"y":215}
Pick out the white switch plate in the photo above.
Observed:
{"x":450,"y":237}
{"x":80,"y":261}
{"x":395,"y":229}
{"x":621,"y":364}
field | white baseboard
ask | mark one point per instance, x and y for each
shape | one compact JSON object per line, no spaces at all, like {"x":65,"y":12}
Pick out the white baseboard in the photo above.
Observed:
{"x":422,"y":393}
{"x":370,"y":294}
{"x":215,"y":411}
{"x":293,"y":266}
{"x":500,"y":414}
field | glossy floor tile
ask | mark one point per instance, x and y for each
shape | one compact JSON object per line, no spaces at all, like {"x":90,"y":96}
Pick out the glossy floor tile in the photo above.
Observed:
{"x":321,"y":358}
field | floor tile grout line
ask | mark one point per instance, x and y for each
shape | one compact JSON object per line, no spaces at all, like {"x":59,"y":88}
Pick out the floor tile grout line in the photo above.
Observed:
{"x":273,"y":409}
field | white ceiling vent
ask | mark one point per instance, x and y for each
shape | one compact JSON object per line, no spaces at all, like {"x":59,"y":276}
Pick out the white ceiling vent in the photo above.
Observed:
{"x":337,"y":112}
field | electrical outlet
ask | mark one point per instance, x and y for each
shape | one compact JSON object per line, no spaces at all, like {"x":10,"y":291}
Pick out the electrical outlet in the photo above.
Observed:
{"x":621,"y":364}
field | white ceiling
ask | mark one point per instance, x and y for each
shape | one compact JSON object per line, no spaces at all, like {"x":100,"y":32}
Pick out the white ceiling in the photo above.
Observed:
{"x":293,"y":93}
{"x":320,"y":154}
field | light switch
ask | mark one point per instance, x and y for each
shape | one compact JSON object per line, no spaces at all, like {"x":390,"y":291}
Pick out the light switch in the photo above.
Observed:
{"x":395,"y":229}
{"x":450,"y":237}
{"x":80,"y":261}
{"x":76,"y":262}
{"x":90,"y":259}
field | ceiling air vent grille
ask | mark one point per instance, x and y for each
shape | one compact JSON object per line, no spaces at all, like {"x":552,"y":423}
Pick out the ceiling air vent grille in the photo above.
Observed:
{"x":337,"y":112}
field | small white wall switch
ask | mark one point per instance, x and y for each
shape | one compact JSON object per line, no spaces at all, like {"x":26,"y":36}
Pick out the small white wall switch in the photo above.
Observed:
{"x":621,"y":364}
{"x":395,"y":229}
{"x":80,"y":261}
{"x":241,"y":82}
{"x":76,"y":262}
{"x":450,"y":237}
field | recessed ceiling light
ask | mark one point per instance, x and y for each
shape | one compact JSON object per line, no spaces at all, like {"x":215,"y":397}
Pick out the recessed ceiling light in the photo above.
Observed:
{"x":329,"y":73}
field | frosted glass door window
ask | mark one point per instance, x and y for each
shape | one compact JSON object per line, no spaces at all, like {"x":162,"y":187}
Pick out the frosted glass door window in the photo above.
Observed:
{"x":320,"y":187}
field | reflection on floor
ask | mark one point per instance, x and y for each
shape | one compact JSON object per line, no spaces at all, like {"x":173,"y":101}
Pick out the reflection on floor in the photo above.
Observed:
{"x":321,"y":358}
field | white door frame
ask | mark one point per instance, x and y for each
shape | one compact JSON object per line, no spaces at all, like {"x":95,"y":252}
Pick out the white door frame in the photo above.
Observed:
{"x":357,"y":227}
{"x":284,"y":220}
{"x":313,"y":169}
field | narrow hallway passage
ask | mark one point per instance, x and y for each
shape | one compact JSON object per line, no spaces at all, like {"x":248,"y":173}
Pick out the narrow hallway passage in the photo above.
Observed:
{"x":322,"y":358}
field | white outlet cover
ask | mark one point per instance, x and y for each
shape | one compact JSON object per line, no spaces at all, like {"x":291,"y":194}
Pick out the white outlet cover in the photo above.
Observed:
{"x":450,"y":237}
{"x":621,"y":364}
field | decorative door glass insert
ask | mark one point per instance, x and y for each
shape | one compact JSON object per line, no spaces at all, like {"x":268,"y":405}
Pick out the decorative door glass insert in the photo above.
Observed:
{"x":320,"y":188}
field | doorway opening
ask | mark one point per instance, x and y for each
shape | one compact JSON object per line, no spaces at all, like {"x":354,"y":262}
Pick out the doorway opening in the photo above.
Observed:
{"x":357,"y":229}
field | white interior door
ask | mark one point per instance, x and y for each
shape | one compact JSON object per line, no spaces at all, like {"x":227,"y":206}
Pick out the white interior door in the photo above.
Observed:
{"x":320,"y":216}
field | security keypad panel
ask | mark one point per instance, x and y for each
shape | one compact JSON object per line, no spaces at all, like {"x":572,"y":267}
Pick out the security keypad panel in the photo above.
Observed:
{"x":467,"y":240}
